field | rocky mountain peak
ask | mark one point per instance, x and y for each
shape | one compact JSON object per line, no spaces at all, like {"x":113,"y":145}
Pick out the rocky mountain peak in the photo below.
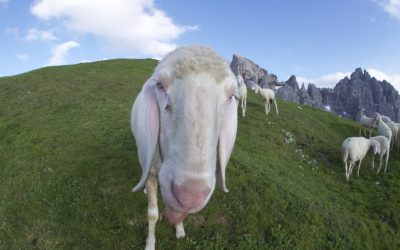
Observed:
{"x":252,"y":73}
{"x":348,"y":98}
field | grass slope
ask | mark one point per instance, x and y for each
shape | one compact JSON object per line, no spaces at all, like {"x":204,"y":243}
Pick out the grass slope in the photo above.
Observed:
{"x":68,"y":163}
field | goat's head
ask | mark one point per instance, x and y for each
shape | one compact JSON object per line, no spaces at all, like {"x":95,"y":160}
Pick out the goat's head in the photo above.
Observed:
{"x":375,"y":147}
{"x":255,"y":88}
{"x":184,"y":113}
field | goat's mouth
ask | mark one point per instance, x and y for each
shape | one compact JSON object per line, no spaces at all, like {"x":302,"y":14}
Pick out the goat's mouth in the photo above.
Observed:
{"x":174,"y":217}
{"x":186,"y":201}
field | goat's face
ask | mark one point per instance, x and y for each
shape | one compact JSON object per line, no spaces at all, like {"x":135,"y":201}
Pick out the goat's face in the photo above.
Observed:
{"x":197,"y":115}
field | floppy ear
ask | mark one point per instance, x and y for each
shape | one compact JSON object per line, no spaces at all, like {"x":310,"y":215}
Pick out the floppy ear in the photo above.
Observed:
{"x":227,"y":138}
{"x":145,"y":123}
{"x":376,"y":147}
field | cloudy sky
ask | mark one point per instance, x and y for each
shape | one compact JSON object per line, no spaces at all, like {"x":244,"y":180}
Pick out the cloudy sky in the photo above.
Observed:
{"x":319,"y":41}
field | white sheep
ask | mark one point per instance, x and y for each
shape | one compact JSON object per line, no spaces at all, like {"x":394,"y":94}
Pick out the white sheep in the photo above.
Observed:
{"x":354,"y":149}
{"x":268,"y":96}
{"x":385,"y":148}
{"x":242,"y":94}
{"x":383,"y":129}
{"x":367,"y":123}
{"x":184,"y":121}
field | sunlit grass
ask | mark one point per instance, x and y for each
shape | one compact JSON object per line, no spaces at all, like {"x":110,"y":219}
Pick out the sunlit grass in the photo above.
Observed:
{"x":68,"y":162}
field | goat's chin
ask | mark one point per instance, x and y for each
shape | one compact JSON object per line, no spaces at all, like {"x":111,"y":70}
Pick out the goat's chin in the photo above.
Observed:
{"x":174,"y":217}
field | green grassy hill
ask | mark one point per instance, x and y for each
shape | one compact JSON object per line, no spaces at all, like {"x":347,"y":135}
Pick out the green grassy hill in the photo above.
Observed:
{"x":68,"y":162}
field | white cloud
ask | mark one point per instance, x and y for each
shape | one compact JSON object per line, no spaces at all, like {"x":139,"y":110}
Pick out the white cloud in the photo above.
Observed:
{"x":125,"y":24}
{"x":3,"y":1}
{"x":60,"y":52}
{"x":325,"y":81}
{"x":330,"y":80}
{"x":35,"y":34}
{"x":12,"y":31}
{"x":392,"y":7}
{"x":23,"y":57}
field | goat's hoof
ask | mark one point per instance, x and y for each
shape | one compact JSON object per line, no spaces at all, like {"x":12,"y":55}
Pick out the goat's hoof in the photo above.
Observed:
{"x":180,"y":233}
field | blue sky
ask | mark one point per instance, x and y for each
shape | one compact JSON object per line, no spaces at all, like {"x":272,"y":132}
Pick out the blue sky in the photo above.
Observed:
{"x":319,"y":41}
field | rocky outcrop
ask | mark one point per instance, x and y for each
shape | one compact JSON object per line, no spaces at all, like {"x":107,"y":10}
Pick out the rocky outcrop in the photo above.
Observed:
{"x":252,"y":73}
{"x":349,"y":97}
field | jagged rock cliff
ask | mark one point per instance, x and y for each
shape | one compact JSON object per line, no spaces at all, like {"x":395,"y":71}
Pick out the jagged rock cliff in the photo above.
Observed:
{"x":348,"y":98}
{"x":252,"y":73}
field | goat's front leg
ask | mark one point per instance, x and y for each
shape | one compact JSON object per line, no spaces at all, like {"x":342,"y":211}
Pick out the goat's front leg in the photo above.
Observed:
{"x":245,"y":106}
{"x":152,"y":211}
{"x":266,"y":107}
{"x":358,"y":170}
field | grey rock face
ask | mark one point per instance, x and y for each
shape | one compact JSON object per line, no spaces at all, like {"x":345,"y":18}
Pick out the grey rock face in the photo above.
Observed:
{"x":252,"y":73}
{"x":350,"y":96}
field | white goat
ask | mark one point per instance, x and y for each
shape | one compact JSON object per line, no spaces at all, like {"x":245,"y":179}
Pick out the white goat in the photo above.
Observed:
{"x":383,"y":129}
{"x":367,"y":123}
{"x":354,"y":149}
{"x":395,"y":130}
{"x":268,"y":96}
{"x":385,"y":119}
{"x":385,"y":148}
{"x":184,"y":121}
{"x":242,"y":94}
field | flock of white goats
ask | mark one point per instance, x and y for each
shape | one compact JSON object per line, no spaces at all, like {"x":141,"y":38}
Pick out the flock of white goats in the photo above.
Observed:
{"x":184,"y":121}
{"x":355,"y":148}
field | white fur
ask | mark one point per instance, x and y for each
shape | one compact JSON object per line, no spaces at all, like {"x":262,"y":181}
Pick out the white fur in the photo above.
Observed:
{"x":395,"y":130}
{"x":367,"y":123}
{"x":354,"y":149}
{"x":184,"y":121}
{"x":383,"y":129}
{"x":268,"y":96}
{"x":242,"y":94}
{"x":385,"y":148}
{"x":385,"y":119}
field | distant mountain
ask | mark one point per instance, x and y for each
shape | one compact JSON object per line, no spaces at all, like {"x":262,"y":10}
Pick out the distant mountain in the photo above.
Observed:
{"x":252,"y":73}
{"x":348,"y":98}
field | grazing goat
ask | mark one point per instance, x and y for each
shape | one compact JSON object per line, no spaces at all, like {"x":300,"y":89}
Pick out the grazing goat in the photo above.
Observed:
{"x":184,"y":121}
{"x":367,"y":123}
{"x":268,"y":96}
{"x":383,"y":129}
{"x":385,"y":148}
{"x":354,"y":149}
{"x":242,"y":94}
{"x":395,"y":130}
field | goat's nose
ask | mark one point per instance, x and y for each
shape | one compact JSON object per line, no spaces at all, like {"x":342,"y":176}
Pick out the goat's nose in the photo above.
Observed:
{"x":192,"y":194}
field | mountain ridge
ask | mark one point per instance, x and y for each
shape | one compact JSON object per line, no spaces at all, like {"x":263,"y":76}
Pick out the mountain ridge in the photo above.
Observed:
{"x":350,"y":97}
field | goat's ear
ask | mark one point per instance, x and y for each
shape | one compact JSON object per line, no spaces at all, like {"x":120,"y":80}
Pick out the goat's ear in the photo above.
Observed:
{"x":376,"y":147}
{"x":227,"y":138}
{"x":145,"y":123}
